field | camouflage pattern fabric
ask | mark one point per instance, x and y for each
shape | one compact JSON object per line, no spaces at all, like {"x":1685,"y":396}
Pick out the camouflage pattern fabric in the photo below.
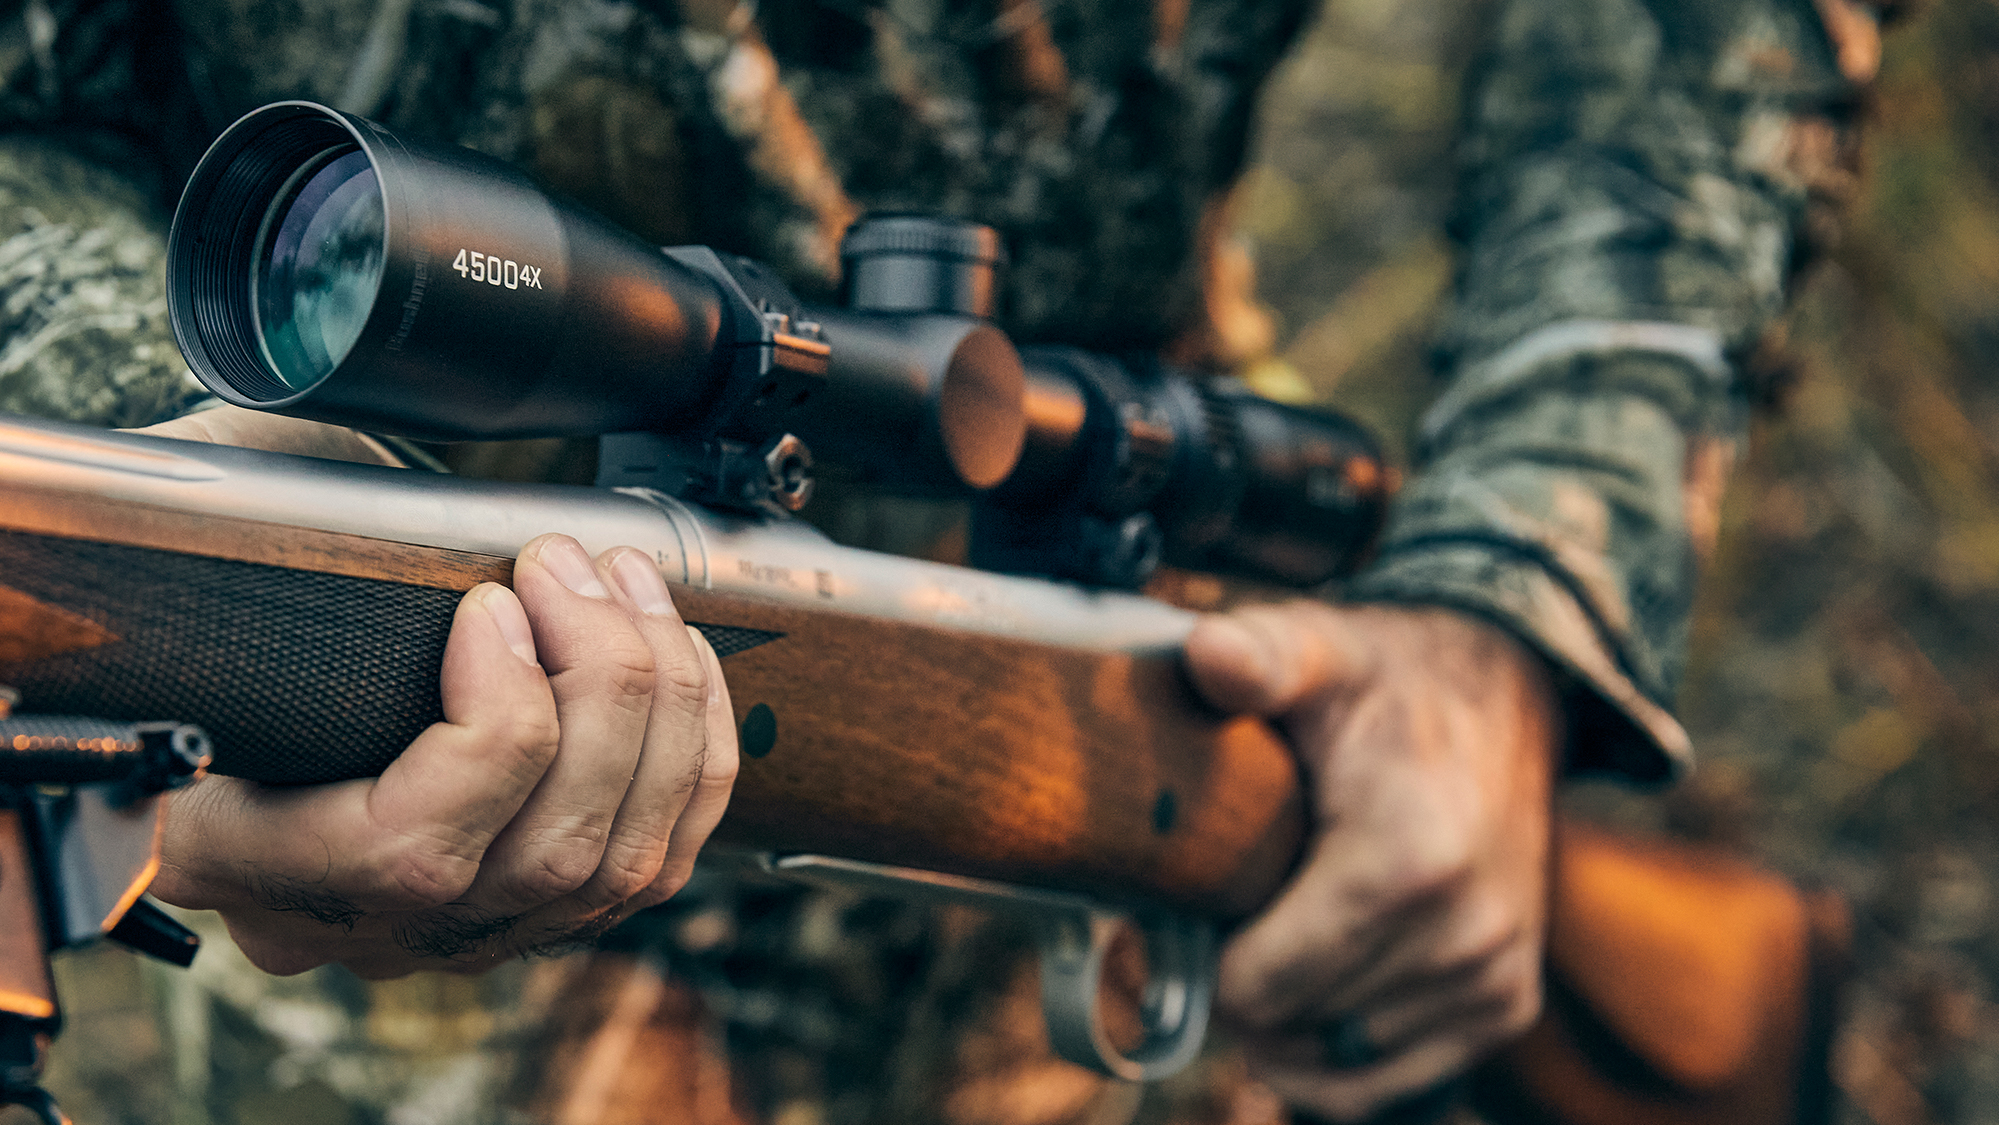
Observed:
{"x":83,"y":319}
{"x":1638,"y":175}
{"x":1637,"y":180}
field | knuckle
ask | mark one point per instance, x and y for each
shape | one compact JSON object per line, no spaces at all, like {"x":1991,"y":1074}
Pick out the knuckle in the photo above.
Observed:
{"x":524,"y":742}
{"x":624,"y":874}
{"x":720,"y":766}
{"x":536,"y":732}
{"x":1491,"y":936}
{"x":685,"y":682}
{"x":1248,"y":998}
{"x":425,"y":876}
{"x":618,"y":670}
{"x":1516,"y":983}
{"x":563,"y":862}
{"x":1421,"y":876}
{"x":664,"y":886}
{"x":1446,"y":854}
{"x":626,"y":674}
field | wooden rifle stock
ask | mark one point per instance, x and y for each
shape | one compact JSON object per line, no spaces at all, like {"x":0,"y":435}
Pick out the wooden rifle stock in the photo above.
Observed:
{"x":887,"y":741}
{"x":895,"y":741}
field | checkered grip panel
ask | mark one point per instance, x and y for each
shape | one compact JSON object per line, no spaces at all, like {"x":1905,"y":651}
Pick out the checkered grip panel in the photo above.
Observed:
{"x":298,"y":677}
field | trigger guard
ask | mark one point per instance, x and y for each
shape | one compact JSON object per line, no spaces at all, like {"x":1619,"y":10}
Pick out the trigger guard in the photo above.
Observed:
{"x":1173,"y":1013}
{"x":1075,"y":935}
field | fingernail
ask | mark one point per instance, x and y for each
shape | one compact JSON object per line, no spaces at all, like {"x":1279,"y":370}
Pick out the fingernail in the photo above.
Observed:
{"x":565,"y":559}
{"x":512,"y":622}
{"x":640,"y":581}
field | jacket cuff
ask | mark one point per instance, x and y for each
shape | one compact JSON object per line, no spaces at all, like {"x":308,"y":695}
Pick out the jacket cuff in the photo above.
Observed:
{"x":1613,"y":726}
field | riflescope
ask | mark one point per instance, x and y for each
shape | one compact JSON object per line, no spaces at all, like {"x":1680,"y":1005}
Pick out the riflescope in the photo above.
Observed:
{"x":323,"y":267}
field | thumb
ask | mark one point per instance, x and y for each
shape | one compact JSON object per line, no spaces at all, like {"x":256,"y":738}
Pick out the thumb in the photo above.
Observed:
{"x":1266,"y":660}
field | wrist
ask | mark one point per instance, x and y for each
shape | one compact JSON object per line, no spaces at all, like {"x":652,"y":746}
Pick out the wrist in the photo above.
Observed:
{"x":1488,"y":666}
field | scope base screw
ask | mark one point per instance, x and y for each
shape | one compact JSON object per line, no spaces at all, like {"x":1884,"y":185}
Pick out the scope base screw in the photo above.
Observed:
{"x":788,"y":473}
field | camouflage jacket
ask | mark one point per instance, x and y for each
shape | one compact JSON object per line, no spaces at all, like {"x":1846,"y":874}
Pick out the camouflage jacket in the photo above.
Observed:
{"x":1639,"y":182}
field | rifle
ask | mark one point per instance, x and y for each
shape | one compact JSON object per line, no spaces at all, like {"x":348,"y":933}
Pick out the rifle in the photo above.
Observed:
{"x":297,"y":609}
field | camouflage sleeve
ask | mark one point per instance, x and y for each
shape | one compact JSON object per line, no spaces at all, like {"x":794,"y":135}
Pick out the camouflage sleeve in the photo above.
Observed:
{"x":1638,"y":180}
{"x":83,"y":311}
{"x":83,"y":109}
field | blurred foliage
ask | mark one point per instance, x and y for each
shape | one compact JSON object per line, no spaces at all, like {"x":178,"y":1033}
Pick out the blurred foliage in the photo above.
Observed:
{"x":1847,"y":676}
{"x":1347,"y":200}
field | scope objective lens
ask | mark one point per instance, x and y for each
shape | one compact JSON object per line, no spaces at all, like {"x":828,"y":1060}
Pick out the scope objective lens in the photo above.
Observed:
{"x":314,"y":268}
{"x":318,"y":266}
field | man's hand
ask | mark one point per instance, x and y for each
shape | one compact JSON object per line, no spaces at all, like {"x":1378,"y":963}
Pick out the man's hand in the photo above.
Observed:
{"x":587,"y":750}
{"x":1409,"y":942}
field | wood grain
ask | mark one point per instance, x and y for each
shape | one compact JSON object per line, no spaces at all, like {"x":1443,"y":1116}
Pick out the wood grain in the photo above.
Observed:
{"x":34,"y":630}
{"x":994,"y":757}
{"x":102,"y":520}
{"x":1686,"y":987}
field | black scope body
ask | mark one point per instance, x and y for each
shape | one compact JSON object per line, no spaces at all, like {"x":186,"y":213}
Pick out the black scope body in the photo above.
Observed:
{"x":323,"y":267}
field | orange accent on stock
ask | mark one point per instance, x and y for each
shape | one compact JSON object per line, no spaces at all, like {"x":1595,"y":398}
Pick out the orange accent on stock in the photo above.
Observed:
{"x":22,"y":1004}
{"x":139,"y":882}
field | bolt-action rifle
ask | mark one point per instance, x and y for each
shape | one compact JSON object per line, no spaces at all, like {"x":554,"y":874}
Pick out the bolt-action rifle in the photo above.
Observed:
{"x":1014,"y":733}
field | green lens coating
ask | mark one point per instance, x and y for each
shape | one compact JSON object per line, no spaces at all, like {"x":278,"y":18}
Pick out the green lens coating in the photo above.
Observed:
{"x":318,"y":270}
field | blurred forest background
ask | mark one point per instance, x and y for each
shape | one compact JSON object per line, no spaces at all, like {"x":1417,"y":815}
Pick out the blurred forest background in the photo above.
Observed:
{"x":1844,"y":692}
{"x":1845,"y":685}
